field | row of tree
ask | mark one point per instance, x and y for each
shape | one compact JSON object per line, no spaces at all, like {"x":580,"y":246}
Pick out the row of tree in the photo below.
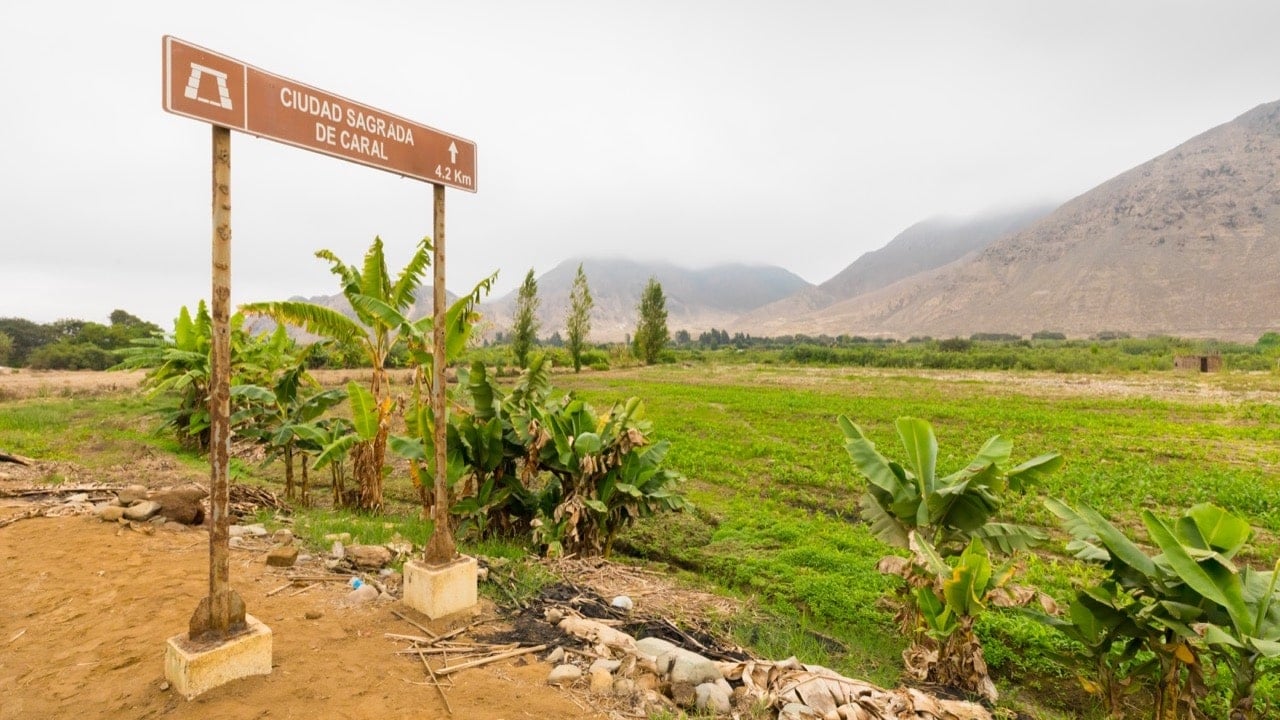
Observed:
{"x":651,"y":335}
{"x":69,"y":344}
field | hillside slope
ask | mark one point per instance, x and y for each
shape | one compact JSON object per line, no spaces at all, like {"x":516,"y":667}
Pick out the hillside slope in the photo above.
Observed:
{"x":927,"y":245}
{"x":1187,"y":243}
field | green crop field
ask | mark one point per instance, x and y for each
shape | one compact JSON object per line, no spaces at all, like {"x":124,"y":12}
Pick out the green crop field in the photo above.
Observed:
{"x":777,"y":495}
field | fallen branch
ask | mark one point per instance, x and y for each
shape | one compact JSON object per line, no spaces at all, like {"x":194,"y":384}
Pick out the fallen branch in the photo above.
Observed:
{"x":492,"y":658}
{"x":435,"y":681}
{"x":20,"y":460}
{"x":414,"y":623}
{"x":36,"y":512}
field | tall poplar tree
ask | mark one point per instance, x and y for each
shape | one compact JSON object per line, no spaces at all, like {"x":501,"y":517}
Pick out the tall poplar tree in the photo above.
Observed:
{"x":578,"y":324}
{"x":525,"y":332}
{"x":651,"y":331}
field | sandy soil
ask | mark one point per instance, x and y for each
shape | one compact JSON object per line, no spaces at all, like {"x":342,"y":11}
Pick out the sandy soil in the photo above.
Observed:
{"x":86,"y":608}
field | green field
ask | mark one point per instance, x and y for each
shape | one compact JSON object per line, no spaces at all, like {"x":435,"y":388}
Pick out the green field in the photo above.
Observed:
{"x":777,"y":497}
{"x":777,"y":494}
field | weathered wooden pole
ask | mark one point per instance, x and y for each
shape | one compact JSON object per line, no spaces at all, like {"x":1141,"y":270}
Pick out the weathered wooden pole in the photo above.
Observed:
{"x":441,"y":548}
{"x":222,"y":612}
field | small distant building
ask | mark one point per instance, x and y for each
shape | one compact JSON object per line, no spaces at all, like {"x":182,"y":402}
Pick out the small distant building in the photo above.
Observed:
{"x":1198,"y":363}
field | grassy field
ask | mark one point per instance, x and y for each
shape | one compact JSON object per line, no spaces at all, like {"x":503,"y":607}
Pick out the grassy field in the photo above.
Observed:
{"x":777,"y":518}
{"x":777,"y":495}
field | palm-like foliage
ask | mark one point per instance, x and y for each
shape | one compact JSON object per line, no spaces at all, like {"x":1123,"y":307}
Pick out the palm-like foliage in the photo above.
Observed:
{"x":947,"y":511}
{"x":371,"y":290}
{"x":285,"y":419}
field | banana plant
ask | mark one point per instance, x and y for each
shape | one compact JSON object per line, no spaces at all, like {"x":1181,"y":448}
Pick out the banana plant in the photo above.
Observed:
{"x":364,"y":287}
{"x":284,"y":419}
{"x":949,"y":598}
{"x":1161,"y":610}
{"x":1241,"y":623}
{"x":947,"y":510}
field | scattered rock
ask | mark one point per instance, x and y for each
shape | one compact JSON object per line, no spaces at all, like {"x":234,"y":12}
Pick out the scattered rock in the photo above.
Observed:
{"x":655,"y":646}
{"x":235,"y":541}
{"x":647,"y":681}
{"x":313,"y":615}
{"x":796,"y":711}
{"x":338,"y":551}
{"x":555,"y":656}
{"x":283,"y":536}
{"x":710,"y":697}
{"x":564,"y":674}
{"x":181,"y":505}
{"x":132,"y":494}
{"x":175,"y":527}
{"x":623,"y":687}
{"x":609,"y":666}
{"x":624,"y":603}
{"x":553,"y":616}
{"x":601,"y":681}
{"x":362,"y":595}
{"x":164,"y":686}
{"x":140,"y":511}
{"x":369,"y":556}
{"x":111,"y":513}
{"x":482,"y":574}
{"x":158,"y":520}
{"x":284,"y":556}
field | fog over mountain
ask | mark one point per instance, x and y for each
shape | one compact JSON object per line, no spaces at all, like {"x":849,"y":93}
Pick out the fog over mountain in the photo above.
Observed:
{"x":1187,"y":244}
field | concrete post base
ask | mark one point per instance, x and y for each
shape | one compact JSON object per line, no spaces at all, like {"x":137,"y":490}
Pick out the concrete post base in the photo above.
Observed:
{"x":440,"y":590}
{"x":193,"y":668}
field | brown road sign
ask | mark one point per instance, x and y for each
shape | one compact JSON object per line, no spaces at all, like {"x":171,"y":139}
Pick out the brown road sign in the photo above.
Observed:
{"x":205,"y":85}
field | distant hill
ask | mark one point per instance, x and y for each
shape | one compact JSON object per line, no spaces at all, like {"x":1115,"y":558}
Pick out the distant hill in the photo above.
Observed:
{"x":922,"y":247}
{"x":697,"y":300}
{"x":1186,"y":244}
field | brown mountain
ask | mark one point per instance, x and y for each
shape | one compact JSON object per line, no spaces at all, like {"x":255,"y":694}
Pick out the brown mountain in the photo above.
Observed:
{"x":1185,"y":244}
{"x":922,"y":247}
{"x":697,"y":300}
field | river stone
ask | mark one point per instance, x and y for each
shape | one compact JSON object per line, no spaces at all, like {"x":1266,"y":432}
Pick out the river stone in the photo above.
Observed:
{"x":180,"y":506}
{"x":564,"y":674}
{"x":283,"y":536}
{"x":710,"y":697}
{"x":132,"y":494}
{"x":111,"y":513}
{"x":609,"y":665}
{"x":141,"y":510}
{"x":555,"y":656}
{"x":368,"y":556}
{"x":283,"y":556}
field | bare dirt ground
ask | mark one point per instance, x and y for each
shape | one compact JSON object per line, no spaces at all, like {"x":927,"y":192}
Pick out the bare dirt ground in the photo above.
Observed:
{"x":86,"y":608}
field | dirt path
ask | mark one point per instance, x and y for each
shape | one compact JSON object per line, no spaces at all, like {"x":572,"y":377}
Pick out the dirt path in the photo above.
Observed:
{"x":86,"y":608}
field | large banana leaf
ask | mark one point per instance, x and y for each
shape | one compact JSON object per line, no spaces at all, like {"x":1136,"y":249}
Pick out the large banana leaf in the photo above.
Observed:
{"x":1211,"y":579}
{"x":922,"y":456}
{"x":410,"y":278}
{"x":364,"y":410}
{"x":315,"y":319}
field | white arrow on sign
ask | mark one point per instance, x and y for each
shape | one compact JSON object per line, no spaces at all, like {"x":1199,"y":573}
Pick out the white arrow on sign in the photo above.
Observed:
{"x":453,"y":153}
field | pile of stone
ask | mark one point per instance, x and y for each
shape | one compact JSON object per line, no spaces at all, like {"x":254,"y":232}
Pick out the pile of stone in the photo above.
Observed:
{"x":654,"y":674}
{"x":183,"y":505}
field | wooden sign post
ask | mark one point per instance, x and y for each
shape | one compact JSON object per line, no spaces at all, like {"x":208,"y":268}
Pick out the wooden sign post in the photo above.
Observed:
{"x":231,"y":95}
{"x":221,"y":614}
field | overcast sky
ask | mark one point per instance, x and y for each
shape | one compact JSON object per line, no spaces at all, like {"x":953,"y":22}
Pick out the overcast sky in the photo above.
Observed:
{"x":800,"y":134}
